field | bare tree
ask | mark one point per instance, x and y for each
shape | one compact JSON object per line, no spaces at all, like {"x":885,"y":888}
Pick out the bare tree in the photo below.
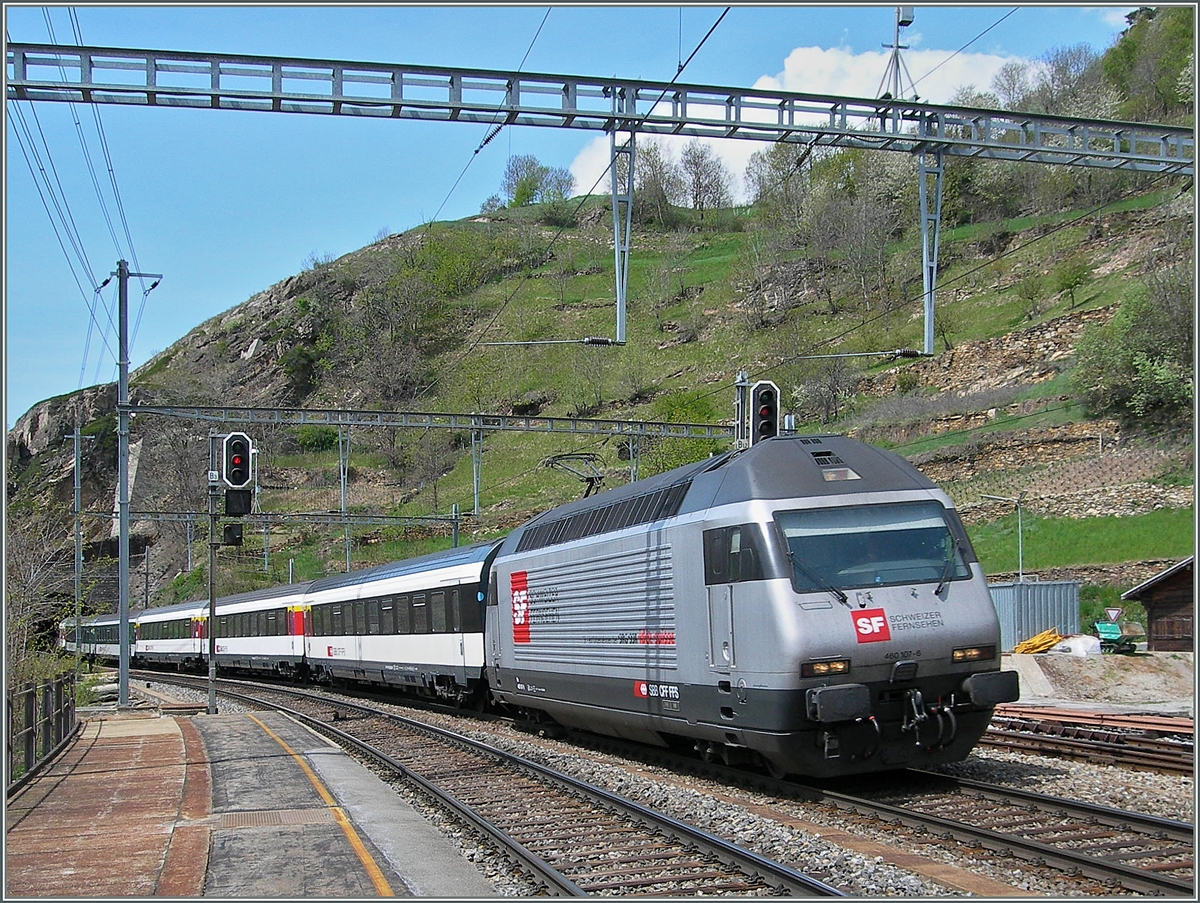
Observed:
{"x":38,"y":582}
{"x":707,"y":178}
{"x":659,"y":185}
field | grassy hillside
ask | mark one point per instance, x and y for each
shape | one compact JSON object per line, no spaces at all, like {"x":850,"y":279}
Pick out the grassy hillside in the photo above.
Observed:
{"x":694,"y":321}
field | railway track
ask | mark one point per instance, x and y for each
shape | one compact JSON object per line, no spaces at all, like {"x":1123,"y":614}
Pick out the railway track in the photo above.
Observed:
{"x":1110,"y":847}
{"x":1140,"y":853}
{"x":1144,"y":742}
{"x":576,"y":839}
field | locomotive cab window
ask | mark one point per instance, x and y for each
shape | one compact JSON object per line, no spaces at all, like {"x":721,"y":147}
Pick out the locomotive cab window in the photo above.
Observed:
{"x":733,"y":554}
{"x":876,"y":545}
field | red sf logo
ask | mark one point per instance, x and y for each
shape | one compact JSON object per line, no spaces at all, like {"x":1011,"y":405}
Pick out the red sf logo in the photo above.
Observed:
{"x":520,"y":606}
{"x":871,"y":626}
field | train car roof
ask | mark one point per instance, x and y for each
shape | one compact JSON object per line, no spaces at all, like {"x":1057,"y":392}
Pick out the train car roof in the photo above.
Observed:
{"x":271,"y":592}
{"x":472,"y":554}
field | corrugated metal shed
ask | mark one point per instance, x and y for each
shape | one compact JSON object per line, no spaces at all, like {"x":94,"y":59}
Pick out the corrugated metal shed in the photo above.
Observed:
{"x":1026,"y":609}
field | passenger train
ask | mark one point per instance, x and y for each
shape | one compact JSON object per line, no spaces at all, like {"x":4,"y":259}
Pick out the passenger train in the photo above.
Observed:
{"x":810,"y":604}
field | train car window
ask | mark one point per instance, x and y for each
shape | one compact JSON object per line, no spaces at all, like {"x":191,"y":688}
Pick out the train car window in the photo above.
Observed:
{"x":272,"y":624}
{"x":223,"y":626}
{"x":493,"y":595}
{"x":420,"y":614}
{"x":387,"y":621}
{"x":454,"y":613}
{"x":403,"y":614}
{"x":336,"y":621}
{"x":360,"y":618}
{"x":373,"y":617}
{"x":320,"y":620}
{"x":437,"y":611}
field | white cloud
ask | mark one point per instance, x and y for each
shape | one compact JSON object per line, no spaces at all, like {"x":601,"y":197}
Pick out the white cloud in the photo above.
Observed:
{"x":1116,"y":16}
{"x":815,"y":70}
{"x":838,"y":71}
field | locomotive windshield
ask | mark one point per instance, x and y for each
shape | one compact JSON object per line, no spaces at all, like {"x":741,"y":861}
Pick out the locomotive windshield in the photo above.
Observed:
{"x":876,"y":545}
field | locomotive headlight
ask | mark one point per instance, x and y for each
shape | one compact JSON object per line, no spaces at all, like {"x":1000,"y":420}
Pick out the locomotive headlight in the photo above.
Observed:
{"x":974,"y":654}
{"x":826,"y":668}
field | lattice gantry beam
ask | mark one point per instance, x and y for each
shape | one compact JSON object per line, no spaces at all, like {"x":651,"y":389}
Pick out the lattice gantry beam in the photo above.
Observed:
{"x":427,"y":420}
{"x":41,"y":72}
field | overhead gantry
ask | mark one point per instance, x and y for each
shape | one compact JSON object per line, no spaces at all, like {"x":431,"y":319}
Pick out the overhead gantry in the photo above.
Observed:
{"x":618,"y":106}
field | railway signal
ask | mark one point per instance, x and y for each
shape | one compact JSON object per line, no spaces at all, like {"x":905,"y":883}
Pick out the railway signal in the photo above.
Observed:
{"x":764,"y":410}
{"x":235,"y":459}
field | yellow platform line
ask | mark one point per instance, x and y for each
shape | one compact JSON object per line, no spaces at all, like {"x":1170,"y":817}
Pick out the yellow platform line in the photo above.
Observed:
{"x":382,"y":887}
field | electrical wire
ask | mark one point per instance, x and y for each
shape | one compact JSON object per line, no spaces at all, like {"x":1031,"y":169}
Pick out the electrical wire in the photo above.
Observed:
{"x":830,"y":340}
{"x":584,"y":198}
{"x":116,"y":191}
{"x":496,"y":125}
{"x":963,"y":47}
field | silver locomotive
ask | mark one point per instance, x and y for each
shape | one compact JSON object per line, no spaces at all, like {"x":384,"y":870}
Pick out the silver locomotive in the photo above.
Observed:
{"x":811,"y":604}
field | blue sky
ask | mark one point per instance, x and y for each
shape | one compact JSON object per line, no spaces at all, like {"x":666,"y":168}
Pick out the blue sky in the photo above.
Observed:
{"x":224,"y":204}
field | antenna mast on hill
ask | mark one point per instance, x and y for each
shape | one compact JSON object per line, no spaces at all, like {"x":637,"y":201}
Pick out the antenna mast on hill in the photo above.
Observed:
{"x":892,"y":85}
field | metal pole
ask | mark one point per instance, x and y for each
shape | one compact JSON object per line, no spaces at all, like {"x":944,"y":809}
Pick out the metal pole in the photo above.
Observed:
{"x":343,"y":469}
{"x":454,"y":524}
{"x":123,"y":275}
{"x":123,"y":481}
{"x":741,"y":411}
{"x":212,"y":570}
{"x":1020,"y":542}
{"x":78,"y":554}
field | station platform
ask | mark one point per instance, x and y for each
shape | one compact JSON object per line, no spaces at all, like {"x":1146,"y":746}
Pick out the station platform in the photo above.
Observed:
{"x":245,"y":805}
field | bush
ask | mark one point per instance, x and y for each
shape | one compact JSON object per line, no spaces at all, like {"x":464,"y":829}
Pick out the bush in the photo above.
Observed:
{"x":1139,"y":365}
{"x":314,"y":438}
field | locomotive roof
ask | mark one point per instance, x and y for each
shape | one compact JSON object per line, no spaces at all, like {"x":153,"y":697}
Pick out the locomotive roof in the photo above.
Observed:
{"x":782,"y":467}
{"x":813,"y":467}
{"x":475,"y":553}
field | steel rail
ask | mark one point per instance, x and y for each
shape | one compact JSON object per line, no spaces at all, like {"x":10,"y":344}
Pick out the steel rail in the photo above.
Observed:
{"x":1130,"y":877}
{"x":554,"y":880}
{"x":1137,"y":753}
{"x":1036,"y":852}
{"x":754,"y":865}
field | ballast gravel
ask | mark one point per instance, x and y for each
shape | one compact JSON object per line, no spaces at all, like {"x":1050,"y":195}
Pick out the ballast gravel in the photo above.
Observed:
{"x":709,"y":806}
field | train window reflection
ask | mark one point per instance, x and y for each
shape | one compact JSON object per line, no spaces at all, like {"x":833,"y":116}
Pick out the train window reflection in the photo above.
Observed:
{"x":875,"y":545}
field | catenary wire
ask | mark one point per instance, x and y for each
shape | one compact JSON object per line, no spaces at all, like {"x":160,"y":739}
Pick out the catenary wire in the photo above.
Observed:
{"x":963,"y":47}
{"x":899,"y":306}
{"x":496,"y":127}
{"x":562,"y":229}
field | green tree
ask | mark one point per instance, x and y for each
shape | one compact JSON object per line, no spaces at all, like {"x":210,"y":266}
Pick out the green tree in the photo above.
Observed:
{"x":708,"y":180}
{"x":659,"y":186}
{"x":526,"y":181}
{"x":1070,"y":275}
{"x":1146,"y":63}
{"x":1138,"y":366}
{"x":38,"y":581}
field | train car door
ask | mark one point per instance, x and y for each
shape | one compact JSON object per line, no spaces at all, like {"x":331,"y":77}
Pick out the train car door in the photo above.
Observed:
{"x":720,"y":627}
{"x":491,"y":628}
{"x":722,"y":570}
